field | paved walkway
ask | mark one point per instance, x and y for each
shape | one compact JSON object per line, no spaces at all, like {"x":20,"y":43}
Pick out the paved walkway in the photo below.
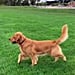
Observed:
{"x":55,"y":7}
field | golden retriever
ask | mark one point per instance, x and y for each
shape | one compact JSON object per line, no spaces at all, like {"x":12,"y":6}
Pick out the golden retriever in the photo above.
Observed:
{"x":33,"y":48}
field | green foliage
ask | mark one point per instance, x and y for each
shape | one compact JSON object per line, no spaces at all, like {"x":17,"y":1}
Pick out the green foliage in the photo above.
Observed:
{"x":39,"y":24}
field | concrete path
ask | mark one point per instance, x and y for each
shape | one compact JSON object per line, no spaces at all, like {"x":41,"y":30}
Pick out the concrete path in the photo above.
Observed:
{"x":55,"y":7}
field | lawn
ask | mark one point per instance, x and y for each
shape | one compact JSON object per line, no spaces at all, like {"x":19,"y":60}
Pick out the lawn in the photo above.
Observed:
{"x":39,"y":24}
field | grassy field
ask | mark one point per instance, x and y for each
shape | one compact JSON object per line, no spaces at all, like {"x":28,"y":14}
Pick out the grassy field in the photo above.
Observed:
{"x":39,"y":24}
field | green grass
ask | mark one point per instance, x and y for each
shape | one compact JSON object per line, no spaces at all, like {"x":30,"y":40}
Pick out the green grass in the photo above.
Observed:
{"x":39,"y":24}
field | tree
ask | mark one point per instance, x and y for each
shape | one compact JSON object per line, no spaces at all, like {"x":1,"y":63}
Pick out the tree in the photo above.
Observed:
{"x":33,"y":2}
{"x":18,"y":2}
{"x":1,"y":1}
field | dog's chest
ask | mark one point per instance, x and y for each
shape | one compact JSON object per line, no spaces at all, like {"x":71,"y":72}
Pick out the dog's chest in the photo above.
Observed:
{"x":21,"y":50}
{"x":25,"y":49}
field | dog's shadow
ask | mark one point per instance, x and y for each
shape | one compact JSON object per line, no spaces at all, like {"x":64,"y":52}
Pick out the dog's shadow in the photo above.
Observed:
{"x":44,"y":63}
{"x":45,"y":66}
{"x":24,"y":63}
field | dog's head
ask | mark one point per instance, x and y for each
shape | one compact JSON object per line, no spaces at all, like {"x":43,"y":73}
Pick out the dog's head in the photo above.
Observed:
{"x":18,"y":37}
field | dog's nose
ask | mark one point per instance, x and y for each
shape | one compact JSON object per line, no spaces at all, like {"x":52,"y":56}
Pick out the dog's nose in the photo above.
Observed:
{"x":9,"y":38}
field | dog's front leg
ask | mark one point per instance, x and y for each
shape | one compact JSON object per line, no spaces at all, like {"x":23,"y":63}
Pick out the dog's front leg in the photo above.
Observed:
{"x":21,"y":57}
{"x":34,"y":60}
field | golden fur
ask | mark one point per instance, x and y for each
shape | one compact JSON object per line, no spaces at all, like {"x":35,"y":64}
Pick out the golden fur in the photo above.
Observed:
{"x":33,"y":48}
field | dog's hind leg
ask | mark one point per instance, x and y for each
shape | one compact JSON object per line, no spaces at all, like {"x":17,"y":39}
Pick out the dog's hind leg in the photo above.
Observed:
{"x":56,"y":59}
{"x":63,"y":57}
{"x":60,"y":56}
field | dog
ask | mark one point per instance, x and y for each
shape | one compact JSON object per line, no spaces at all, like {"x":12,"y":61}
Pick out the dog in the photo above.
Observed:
{"x":33,"y":48}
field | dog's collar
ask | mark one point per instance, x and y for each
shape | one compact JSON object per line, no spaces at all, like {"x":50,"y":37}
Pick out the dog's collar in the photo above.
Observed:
{"x":22,"y":42}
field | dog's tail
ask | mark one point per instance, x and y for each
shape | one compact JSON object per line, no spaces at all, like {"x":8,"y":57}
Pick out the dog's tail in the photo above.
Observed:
{"x":64,"y":35}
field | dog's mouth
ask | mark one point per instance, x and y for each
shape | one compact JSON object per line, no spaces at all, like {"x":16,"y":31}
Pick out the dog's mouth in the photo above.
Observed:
{"x":14,"y":42}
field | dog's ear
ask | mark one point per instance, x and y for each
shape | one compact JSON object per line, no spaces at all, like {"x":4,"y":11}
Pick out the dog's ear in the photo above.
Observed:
{"x":21,"y":38}
{"x":18,"y":37}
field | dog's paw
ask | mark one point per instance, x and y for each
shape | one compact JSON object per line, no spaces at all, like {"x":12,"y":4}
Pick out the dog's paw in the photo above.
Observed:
{"x":64,"y":59}
{"x":33,"y":64}
{"x":18,"y":61}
